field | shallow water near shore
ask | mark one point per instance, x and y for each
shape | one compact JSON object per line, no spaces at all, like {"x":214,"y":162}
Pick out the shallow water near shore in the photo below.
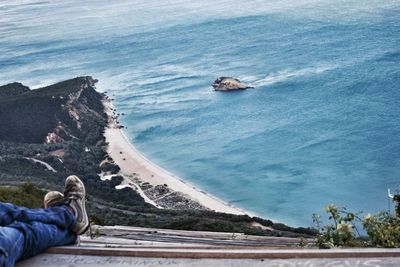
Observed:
{"x":321,"y":125}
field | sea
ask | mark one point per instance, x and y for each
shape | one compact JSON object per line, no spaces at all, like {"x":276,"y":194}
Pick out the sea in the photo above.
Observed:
{"x":320,"y":126}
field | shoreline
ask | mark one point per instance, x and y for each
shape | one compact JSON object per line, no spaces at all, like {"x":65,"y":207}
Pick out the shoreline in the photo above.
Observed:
{"x":133,"y":163}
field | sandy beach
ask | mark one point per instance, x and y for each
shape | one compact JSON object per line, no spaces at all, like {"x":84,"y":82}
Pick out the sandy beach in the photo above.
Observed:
{"x":131,"y":161}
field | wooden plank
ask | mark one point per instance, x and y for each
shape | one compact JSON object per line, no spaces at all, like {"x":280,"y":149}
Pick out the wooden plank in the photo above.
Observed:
{"x":227,"y":253}
{"x":59,"y":260}
{"x":193,"y":237}
{"x":118,"y":230}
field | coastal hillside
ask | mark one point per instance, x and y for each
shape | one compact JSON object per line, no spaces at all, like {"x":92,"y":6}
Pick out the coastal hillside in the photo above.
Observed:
{"x":56,"y":113}
{"x":49,"y":133}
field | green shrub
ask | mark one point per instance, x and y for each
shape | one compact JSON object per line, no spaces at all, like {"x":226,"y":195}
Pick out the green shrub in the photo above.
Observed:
{"x":383,"y":230}
{"x":342,"y":232}
{"x":110,"y":167}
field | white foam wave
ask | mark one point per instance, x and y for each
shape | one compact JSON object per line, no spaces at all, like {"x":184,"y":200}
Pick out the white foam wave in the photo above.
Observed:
{"x":284,"y":75}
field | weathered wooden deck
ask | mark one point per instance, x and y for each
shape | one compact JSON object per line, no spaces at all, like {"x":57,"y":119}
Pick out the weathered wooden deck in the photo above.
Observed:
{"x":134,"y":246}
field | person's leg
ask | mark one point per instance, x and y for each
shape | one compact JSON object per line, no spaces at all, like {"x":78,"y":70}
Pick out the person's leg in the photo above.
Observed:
{"x":43,"y":228}
{"x":22,"y":240}
{"x":74,"y":200}
{"x":61,"y":216}
{"x":12,"y":244}
{"x":31,"y":231}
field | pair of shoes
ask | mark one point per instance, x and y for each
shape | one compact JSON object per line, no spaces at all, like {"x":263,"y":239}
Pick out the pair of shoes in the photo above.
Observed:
{"x":74,"y":197}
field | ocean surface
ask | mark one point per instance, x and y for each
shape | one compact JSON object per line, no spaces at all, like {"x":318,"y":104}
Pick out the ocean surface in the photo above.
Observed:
{"x":321,"y":125}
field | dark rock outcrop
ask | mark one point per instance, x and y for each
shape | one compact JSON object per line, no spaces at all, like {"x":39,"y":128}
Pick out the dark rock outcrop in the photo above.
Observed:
{"x":229,"y":84}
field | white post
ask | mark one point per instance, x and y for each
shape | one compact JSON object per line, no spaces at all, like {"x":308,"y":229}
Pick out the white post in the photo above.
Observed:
{"x":390,"y":196}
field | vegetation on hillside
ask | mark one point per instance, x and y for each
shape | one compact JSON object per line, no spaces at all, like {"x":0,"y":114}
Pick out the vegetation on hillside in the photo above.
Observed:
{"x":13,"y":89}
{"x":26,"y":195}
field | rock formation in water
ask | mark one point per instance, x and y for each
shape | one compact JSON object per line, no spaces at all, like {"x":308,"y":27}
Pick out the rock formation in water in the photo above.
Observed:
{"x":229,"y":84}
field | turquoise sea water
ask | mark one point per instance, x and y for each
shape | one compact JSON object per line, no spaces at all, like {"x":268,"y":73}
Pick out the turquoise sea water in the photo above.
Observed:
{"x":321,"y":125}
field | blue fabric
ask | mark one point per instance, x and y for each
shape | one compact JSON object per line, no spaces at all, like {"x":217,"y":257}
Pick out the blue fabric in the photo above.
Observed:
{"x":27,"y":232}
{"x":12,"y":243}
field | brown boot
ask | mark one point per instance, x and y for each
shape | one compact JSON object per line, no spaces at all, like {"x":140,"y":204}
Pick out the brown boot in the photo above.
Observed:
{"x":53,"y":198}
{"x":74,"y":194}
